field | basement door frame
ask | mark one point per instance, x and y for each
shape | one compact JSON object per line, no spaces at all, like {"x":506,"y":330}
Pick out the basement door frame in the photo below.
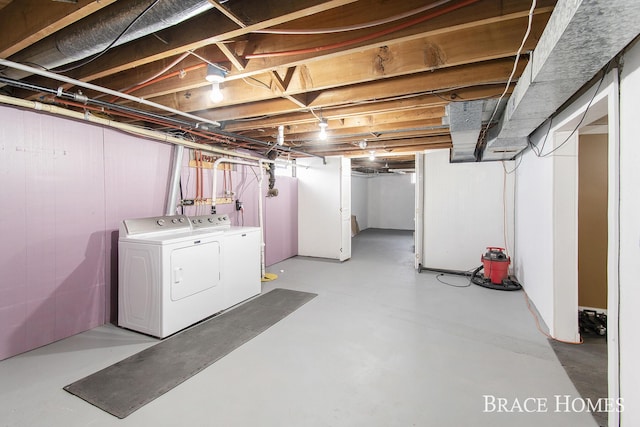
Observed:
{"x":565,"y":224}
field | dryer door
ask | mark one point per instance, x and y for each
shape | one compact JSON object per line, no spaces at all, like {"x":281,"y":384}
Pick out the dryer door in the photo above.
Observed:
{"x":194,"y":269}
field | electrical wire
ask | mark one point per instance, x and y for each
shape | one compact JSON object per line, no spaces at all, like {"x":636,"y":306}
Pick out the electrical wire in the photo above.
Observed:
{"x":513,"y":71}
{"x":153,"y":78}
{"x":535,"y":317}
{"x":451,"y":284}
{"x":364,"y":38}
{"x":504,"y":213}
{"x":99,"y":54}
{"x":353,"y":27}
{"x":539,"y":153}
{"x":262,"y":84}
{"x":518,"y":163}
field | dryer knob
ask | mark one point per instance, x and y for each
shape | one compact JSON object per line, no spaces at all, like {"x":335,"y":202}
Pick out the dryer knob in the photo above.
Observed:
{"x":175,"y":221}
{"x":181,"y":220}
{"x":210,"y":219}
{"x":160,"y":222}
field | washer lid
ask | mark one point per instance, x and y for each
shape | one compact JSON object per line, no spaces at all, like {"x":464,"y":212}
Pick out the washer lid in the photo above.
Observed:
{"x":184,"y":237}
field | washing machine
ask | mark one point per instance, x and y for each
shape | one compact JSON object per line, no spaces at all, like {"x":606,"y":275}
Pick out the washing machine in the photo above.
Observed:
{"x":170,"y":273}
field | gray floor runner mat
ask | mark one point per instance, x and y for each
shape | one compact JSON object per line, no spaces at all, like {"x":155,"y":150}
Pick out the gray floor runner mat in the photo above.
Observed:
{"x":128,"y":385}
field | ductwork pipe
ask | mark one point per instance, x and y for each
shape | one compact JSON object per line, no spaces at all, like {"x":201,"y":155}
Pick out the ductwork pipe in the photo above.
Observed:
{"x":97,"y":31}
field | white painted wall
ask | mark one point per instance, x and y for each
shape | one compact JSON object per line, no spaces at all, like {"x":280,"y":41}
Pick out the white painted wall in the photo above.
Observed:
{"x":629,"y":268}
{"x":359,"y":200}
{"x":463,"y":210}
{"x":324,"y":207}
{"x":533,"y":252}
{"x":383,"y":201}
{"x":534,"y":230}
{"x":391,"y":201}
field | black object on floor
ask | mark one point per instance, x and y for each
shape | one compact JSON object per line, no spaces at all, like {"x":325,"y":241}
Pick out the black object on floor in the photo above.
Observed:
{"x":128,"y":385}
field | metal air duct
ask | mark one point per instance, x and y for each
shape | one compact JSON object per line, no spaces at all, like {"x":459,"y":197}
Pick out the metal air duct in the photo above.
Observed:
{"x":465,"y":122}
{"x":94,"y":33}
{"x":579,"y":40}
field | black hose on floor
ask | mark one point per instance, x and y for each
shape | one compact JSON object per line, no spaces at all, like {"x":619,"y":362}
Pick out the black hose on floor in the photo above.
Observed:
{"x":507,"y":284}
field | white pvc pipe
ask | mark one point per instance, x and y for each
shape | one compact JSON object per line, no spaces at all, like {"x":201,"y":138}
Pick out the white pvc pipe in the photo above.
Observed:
{"x":263,"y":263}
{"x":108,"y":91}
{"x":138,"y":131}
{"x":214,"y":183}
{"x":174,"y":185}
{"x":260,"y":165}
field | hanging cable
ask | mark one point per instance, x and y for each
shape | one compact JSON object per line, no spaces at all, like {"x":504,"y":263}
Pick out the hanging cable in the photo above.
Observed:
{"x":513,"y":71}
{"x":575,"y":129}
{"x":135,"y":87}
{"x":365,"y":37}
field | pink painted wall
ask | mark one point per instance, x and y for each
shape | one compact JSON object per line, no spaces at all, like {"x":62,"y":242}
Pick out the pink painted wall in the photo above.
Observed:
{"x":281,"y":221}
{"x":66,"y":185}
{"x":65,"y":188}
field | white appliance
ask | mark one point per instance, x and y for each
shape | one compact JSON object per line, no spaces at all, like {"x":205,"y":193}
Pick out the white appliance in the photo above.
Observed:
{"x":174,"y":271}
{"x":241,"y":271}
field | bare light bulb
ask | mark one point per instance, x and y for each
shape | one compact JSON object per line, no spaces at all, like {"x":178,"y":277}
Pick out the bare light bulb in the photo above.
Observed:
{"x":372,"y":155}
{"x":281,"y":135}
{"x":216,"y":93}
{"x":323,"y":129}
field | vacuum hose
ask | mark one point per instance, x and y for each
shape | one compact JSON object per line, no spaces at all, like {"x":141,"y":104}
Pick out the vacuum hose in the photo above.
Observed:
{"x":507,"y":284}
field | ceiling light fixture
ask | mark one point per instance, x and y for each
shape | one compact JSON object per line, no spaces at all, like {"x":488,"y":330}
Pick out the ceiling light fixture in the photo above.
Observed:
{"x":281,"y":135}
{"x":363,"y":144}
{"x":323,"y":129}
{"x":215,"y":76}
{"x":372,"y":155}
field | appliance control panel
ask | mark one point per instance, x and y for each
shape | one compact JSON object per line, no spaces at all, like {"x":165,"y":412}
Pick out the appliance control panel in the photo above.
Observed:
{"x":176,"y":223}
{"x":219,"y":221}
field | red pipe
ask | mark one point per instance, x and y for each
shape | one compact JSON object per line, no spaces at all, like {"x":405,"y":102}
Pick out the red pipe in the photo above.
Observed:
{"x":161,"y":78}
{"x":366,"y":37}
{"x":213,"y":138}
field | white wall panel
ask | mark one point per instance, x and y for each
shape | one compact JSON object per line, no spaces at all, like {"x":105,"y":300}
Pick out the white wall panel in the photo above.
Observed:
{"x":359,"y":200}
{"x":391,"y":201}
{"x":463,"y":210}
{"x":320,"y":209}
{"x":629,"y":269}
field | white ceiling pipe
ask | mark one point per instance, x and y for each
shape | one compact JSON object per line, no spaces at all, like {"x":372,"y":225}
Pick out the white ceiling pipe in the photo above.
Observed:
{"x":146,"y":133}
{"x":65,"y":79}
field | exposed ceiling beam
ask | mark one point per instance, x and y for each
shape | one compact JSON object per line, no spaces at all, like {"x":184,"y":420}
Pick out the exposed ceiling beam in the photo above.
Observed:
{"x":25,"y":22}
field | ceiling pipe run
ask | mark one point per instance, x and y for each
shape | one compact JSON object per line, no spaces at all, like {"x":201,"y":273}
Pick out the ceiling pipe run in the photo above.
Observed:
{"x":580,"y":38}
{"x":64,"y":79}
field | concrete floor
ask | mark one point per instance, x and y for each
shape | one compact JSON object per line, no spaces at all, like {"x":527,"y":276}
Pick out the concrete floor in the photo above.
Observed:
{"x":380,"y":346}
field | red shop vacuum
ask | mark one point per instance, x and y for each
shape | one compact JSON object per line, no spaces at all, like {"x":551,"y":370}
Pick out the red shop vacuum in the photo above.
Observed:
{"x":495,"y":264}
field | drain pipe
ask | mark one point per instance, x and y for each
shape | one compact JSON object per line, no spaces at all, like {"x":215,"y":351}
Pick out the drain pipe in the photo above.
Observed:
{"x":260,"y":165}
{"x":174,"y":186}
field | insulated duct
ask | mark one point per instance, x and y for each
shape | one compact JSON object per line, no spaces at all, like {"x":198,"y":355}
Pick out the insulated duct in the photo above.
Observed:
{"x":97,"y":31}
{"x":579,"y":40}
